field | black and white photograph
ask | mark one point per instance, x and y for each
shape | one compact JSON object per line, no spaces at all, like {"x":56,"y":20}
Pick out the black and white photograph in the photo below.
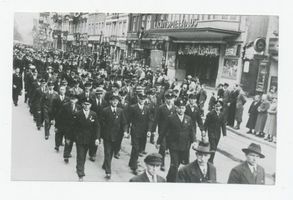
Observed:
{"x":145,"y":97}
{"x":128,"y":99}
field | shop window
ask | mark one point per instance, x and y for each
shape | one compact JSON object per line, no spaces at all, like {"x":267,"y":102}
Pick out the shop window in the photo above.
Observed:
{"x":148,"y":25}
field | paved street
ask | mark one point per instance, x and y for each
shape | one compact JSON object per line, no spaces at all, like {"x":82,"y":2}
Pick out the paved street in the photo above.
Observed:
{"x":34,"y":158}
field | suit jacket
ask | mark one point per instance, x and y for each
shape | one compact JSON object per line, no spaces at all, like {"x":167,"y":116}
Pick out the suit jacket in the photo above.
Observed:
{"x":86,"y":130}
{"x":83,"y":96}
{"x":195,"y":116}
{"x":47,"y":101}
{"x":113,"y":125}
{"x":241,"y":174}
{"x":37,"y":98}
{"x":67,"y":119}
{"x":253,"y":108}
{"x":191,"y":173}
{"x":56,"y":108}
{"x":17,"y":82}
{"x":214,"y":123}
{"x":226,"y":97}
{"x":162,"y":116}
{"x":140,"y":120}
{"x":144,"y":178}
{"x":179,"y":135}
{"x":98,"y":108}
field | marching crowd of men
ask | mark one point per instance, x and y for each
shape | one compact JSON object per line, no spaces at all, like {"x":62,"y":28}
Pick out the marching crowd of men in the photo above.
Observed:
{"x":91,"y":101}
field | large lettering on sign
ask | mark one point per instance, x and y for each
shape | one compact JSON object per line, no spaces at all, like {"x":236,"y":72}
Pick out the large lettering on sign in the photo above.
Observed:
{"x":178,"y":24}
{"x":201,"y":50}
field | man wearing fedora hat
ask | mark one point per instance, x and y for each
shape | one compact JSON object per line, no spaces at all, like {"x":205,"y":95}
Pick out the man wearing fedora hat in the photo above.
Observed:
{"x":249,"y":172}
{"x":153,"y":162}
{"x":200,"y":170}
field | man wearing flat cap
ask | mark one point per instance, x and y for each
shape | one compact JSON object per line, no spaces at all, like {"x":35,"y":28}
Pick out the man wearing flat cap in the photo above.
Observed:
{"x":141,"y":123}
{"x":249,"y":172}
{"x":87,"y":133}
{"x":161,"y":118}
{"x":153,"y":162}
{"x":215,"y":124}
{"x":180,"y":135}
{"x":200,"y":170}
{"x":113,"y":127}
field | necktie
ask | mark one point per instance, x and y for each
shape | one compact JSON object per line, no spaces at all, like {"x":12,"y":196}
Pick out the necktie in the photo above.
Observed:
{"x":254,"y":172}
{"x":153,"y":179}
{"x":204,"y":172}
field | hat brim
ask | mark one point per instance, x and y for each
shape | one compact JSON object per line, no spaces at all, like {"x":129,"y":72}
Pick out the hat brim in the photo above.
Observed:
{"x":200,"y":151}
{"x":246,"y":151}
{"x":154,"y":163}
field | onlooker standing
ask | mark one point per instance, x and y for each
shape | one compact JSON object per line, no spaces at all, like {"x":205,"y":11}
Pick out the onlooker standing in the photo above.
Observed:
{"x":232,"y":107}
{"x":17,"y":86}
{"x":271,"y":123}
{"x":253,"y":112}
{"x":262,"y":116}
{"x":239,"y":107}
{"x":226,"y":98}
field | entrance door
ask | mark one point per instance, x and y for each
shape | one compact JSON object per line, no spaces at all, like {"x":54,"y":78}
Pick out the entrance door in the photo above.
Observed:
{"x":204,"y":67}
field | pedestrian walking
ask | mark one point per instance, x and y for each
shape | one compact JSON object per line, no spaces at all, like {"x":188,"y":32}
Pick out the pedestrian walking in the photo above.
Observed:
{"x":240,"y":101}
{"x":215,"y":124}
{"x":17,"y":86}
{"x":232,"y":106}
{"x":271,"y":124}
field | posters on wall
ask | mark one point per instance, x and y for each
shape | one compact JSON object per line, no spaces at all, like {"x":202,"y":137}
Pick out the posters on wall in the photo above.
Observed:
{"x":230,"y":69}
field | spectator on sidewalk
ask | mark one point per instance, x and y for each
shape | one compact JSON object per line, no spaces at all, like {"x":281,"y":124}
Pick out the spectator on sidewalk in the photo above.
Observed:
{"x":220,"y":93}
{"x":249,"y":172}
{"x":226,"y":98}
{"x":271,"y":124}
{"x":239,"y":108}
{"x":212,"y":102}
{"x":253,"y":112}
{"x":262,"y":116}
{"x":232,"y":107}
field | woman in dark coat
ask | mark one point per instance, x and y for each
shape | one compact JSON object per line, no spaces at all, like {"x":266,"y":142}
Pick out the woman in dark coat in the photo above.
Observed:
{"x":232,"y":107}
{"x":253,"y":114}
{"x":262,"y":116}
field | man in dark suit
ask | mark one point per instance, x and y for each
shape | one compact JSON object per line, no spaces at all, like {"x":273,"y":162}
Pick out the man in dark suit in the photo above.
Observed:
{"x":249,"y":172}
{"x":68,"y":114}
{"x":152,"y":162}
{"x":161,"y":119}
{"x":57,"y":105}
{"x":47,"y":102}
{"x":87,"y":132}
{"x":213,"y":124}
{"x":87,"y":93}
{"x":180,"y":135}
{"x":225,"y":100}
{"x":200,"y":170}
{"x":113,"y":126}
{"x":17,"y":86}
{"x":141,"y":124}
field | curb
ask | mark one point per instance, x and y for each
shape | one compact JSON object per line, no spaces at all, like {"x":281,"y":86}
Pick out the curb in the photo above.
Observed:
{"x":250,"y":138}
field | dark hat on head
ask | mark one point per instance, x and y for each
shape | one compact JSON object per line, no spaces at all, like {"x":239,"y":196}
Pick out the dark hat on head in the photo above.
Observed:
{"x":88,"y":84}
{"x":64,"y":82}
{"x":169,"y":95}
{"x":50,"y":83}
{"x":116,"y":85}
{"x":83,"y":76}
{"x":42,"y":80}
{"x":226,"y":84}
{"x":123,"y":93}
{"x":151,"y":91}
{"x":73,"y":96}
{"x":113,"y":97}
{"x":192,"y":96}
{"x":219,"y":104}
{"x":180,"y":102}
{"x":153,"y":159}
{"x":253,"y":148}
{"x":86,"y":101}
{"x":203,"y":148}
{"x":142,"y":96}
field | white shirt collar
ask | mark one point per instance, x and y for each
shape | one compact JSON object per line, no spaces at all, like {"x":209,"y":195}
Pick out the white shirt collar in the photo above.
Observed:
{"x":140,"y":106}
{"x":150,"y":177}
{"x":252,"y":168}
{"x":181,"y":117}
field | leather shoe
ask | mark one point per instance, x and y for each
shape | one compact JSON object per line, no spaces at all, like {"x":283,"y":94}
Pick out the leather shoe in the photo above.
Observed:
{"x":46,"y":137}
{"x":140,"y":155}
{"x":162,"y":168}
{"x":117,"y":156}
{"x":144,"y":153}
{"x":108,"y":176}
{"x":135,"y":172}
{"x":57,"y":149}
{"x":92,"y":159}
{"x":66,"y":160}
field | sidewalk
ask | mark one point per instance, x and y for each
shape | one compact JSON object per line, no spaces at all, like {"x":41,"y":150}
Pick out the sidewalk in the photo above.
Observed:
{"x":242,"y":131}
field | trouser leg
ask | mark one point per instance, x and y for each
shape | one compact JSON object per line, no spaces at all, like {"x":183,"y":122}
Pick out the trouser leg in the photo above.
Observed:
{"x":134,"y":153}
{"x":108,"y":155}
{"x":92,"y":149}
{"x":117,"y":145}
{"x":67,"y":148}
{"x":173,"y":170}
{"x":81,"y":151}
{"x":58,"y":137}
{"x":142,"y":144}
{"x":214,"y":145}
{"x":162,"y":151}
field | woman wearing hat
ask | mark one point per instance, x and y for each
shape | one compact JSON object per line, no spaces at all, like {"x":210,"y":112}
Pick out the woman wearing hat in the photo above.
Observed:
{"x":249,"y":172}
{"x":200,"y":170}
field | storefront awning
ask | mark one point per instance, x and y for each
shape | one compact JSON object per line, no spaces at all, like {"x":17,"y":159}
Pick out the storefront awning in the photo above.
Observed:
{"x":196,"y":33}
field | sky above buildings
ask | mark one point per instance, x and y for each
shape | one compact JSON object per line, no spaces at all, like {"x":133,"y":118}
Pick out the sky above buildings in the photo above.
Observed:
{"x":23,"y":22}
